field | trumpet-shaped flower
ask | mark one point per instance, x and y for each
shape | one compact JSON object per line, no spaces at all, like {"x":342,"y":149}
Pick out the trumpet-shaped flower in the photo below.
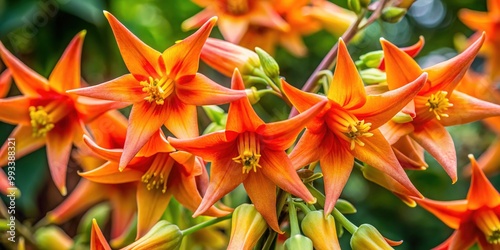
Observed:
{"x":347,"y":128}
{"x":437,"y":104}
{"x":160,"y":173}
{"x":46,"y":114}
{"x":163,"y":87}
{"x":251,"y":152}
{"x":475,"y":219}
{"x":236,"y":16}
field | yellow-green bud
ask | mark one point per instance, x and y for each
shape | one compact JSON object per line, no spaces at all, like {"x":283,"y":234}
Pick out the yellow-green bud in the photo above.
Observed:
{"x":163,"y":235}
{"x":214,"y":113}
{"x":345,"y":207}
{"x":372,"y":76}
{"x":401,"y":117}
{"x":298,"y":242}
{"x":393,"y":14}
{"x":354,"y":5}
{"x":368,"y":237}
{"x":372,"y":59}
{"x":269,"y":65}
{"x":321,"y":230}
{"x":253,"y":95}
{"x":247,"y":226}
{"x":52,"y":237}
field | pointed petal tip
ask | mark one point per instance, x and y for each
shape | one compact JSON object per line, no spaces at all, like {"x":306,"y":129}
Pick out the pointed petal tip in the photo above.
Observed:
{"x":63,"y":191}
{"x":82,"y":34}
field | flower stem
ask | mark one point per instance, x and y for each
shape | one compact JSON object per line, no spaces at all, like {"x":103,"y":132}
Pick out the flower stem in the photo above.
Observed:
{"x":292,"y":214}
{"x":347,"y":224}
{"x":205,"y":224}
{"x":316,"y":193}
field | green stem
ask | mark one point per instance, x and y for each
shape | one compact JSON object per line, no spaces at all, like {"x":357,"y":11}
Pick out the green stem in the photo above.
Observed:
{"x":292,"y":214}
{"x":302,"y":207}
{"x":269,"y":81}
{"x":205,"y":224}
{"x":269,"y":241}
{"x":347,"y":224}
{"x":316,"y":193}
{"x":326,"y":80}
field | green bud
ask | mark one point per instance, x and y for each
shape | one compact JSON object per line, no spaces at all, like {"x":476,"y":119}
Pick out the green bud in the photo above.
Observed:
{"x":345,"y":207}
{"x":354,"y":5}
{"x":214,"y":113}
{"x":52,"y":237}
{"x":401,"y":117}
{"x":269,"y":65}
{"x":368,"y":237}
{"x":373,"y":76}
{"x":253,"y":95}
{"x":213,"y":127}
{"x":393,"y":14}
{"x":364,"y":3}
{"x":100,"y":212}
{"x":247,"y":226}
{"x":320,"y":229}
{"x":298,"y":242}
{"x":163,"y":235}
{"x":372,"y":59}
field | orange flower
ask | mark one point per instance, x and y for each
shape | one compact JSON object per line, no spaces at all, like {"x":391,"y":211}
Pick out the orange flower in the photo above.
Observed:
{"x":160,"y":172}
{"x":5,"y":82}
{"x":46,"y":114}
{"x":335,"y":19}
{"x":475,"y":219}
{"x":347,"y":128}
{"x":437,"y":104}
{"x":251,"y":152}
{"x":163,"y":87}
{"x":236,"y":16}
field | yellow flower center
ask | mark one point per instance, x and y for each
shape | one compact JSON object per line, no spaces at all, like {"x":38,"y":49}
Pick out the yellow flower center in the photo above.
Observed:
{"x":41,"y":122}
{"x":237,"y":7}
{"x":157,"y":90}
{"x":487,"y":221}
{"x":357,"y":130}
{"x":438,"y":104}
{"x":157,"y":174}
{"x":249,"y":150}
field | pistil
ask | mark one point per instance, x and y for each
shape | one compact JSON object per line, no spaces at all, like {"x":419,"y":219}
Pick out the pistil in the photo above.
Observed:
{"x":438,"y":103}
{"x":157,"y":89}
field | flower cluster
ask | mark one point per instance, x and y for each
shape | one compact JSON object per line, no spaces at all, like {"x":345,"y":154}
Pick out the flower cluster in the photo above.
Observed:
{"x":378,"y":114}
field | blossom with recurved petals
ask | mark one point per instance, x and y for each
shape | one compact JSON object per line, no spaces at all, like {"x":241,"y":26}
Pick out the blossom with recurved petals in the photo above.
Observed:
{"x":347,"y":128}
{"x":436,"y":105}
{"x":235,"y":16}
{"x":46,"y":114}
{"x":163,"y":87}
{"x":475,"y":219}
{"x":251,"y":152}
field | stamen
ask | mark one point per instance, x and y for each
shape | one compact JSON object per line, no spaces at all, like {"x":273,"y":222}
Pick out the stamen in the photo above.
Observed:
{"x":438,"y":104}
{"x":237,"y":7}
{"x":41,"y":122}
{"x":158,"y":172}
{"x":249,"y":150}
{"x":157,"y":90}
{"x":356,"y":130}
{"x":487,"y":221}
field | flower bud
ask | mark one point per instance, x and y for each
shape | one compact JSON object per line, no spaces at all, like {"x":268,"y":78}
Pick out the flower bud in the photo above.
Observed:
{"x":401,"y":117}
{"x":298,"y":242}
{"x":372,"y":59}
{"x":321,"y":230}
{"x":405,"y":3}
{"x":247,"y":226}
{"x":354,"y":5}
{"x":345,"y":207}
{"x":368,"y":237}
{"x":373,"y":76}
{"x":393,"y":14}
{"x":225,"y":57}
{"x":52,"y":237}
{"x":163,"y":235}
{"x":253,"y":95}
{"x":270,"y":66}
{"x":214,"y":113}
{"x":99,"y":212}
{"x":364,"y":3}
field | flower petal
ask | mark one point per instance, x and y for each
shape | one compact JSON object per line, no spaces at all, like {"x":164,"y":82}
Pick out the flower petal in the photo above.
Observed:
{"x":412,"y":51}
{"x":124,"y":205}
{"x":476,"y":20}
{"x":200,"y":90}
{"x":336,"y":166}
{"x":467,"y":109}
{"x":399,"y":66}
{"x":434,"y":138}
{"x":139,"y":58}
{"x":379,"y":109}
{"x":106,"y":154}
{"x":262,"y":193}
{"x":90,"y":108}
{"x":347,"y":88}
{"x":150,"y":206}
{"x":66,"y":74}
{"x":5,"y":83}
{"x":395,"y":131}
{"x":301,"y":100}
{"x":145,"y":119}
{"x":97,"y":240}
{"x":156,"y":144}
{"x":15,"y":110}
{"x":181,"y":118}
{"x":464,"y":238}
{"x":481,"y":192}
{"x":28,"y":81}
{"x":198,"y":19}
{"x":109,"y":130}
{"x":277,"y":167}
{"x":308,"y":149}
{"x":210,"y":147}
{"x":449,"y":212}
{"x":24,"y":143}
{"x":233,"y":29}
{"x":108,"y":173}
{"x":183,"y":57}
{"x":410,"y":155}
{"x":122,"y":89}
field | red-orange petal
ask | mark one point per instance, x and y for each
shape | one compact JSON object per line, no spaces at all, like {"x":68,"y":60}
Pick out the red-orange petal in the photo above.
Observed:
{"x":104,"y":153}
{"x":399,"y":66}
{"x":90,"y":108}
{"x":476,"y":20}
{"x":467,"y":109}
{"x":151,"y":204}
{"x":122,"y":89}
{"x":464,"y":238}
{"x":97,"y":240}
{"x":233,"y":29}
{"x":301,"y":100}
{"x":183,"y":57}
{"x":139,"y":58}
{"x":210,"y":146}
{"x":262,"y":193}
{"x":66,"y":74}
{"x":347,"y":88}
{"x":24,"y":143}
{"x":182,"y":119}
{"x":450,"y":212}
{"x":412,"y":51}
{"x":481,"y":191}
{"x":124,"y":206}
{"x":434,"y":138}
{"x":306,"y":151}
{"x":28,"y":81}
{"x":156,"y":144}
{"x":15,"y":110}
{"x":5,"y":83}
{"x":108,"y":173}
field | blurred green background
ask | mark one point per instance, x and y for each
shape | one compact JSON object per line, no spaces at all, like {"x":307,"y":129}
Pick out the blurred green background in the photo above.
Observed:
{"x":37,"y":32}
